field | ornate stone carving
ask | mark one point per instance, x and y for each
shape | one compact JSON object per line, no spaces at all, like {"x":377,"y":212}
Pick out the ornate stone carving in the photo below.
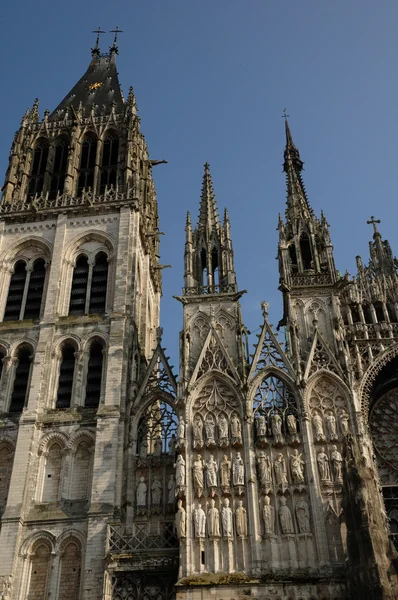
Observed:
{"x":296,"y":467}
{"x":210,"y":427}
{"x":303,"y":517}
{"x":236,"y":430}
{"x":156,"y":492}
{"x":285,"y":517}
{"x":141,"y":493}
{"x":268,"y":516}
{"x":275,"y":411}
{"x":181,"y":520}
{"x":199,"y":518}
{"x":180,"y":471}
{"x":227,"y":519}
{"x":197,"y":432}
{"x":291,"y":423}
{"x":331,"y":431}
{"x":318,"y":428}
{"x":225,"y":470}
{"x":241,"y":520}
{"x":264,"y":471}
{"x":211,"y":470}
{"x":198,"y":476}
{"x":323,"y":465}
{"x":238,"y":471}
{"x":280,"y":471}
{"x":223,"y":430}
{"x":213,"y":520}
{"x":276,"y":428}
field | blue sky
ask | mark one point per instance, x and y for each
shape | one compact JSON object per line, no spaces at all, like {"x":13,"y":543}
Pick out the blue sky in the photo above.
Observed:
{"x":212,"y":78}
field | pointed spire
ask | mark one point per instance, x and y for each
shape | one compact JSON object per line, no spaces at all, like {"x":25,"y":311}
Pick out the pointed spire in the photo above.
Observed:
{"x":297,"y":201}
{"x":208,"y":216}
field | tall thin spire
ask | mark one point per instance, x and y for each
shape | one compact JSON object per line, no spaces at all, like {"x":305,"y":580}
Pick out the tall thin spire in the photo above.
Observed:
{"x":297,"y":201}
{"x":208,"y":215}
{"x":96,"y":50}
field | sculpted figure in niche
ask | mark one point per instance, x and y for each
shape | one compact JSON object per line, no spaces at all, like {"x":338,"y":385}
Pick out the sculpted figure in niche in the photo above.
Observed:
{"x":198,"y":475}
{"x":323,"y":465}
{"x":156,"y":490}
{"x":171,"y":486}
{"x":296,"y":467}
{"x":303,"y":517}
{"x":199,"y":518}
{"x":180,"y":471}
{"x":276,"y":427}
{"x":280,"y":470}
{"x":291,"y":423}
{"x":141,"y":492}
{"x":210,"y":428}
{"x":222,"y":427}
{"x":212,"y":469}
{"x":268,"y":516}
{"x":337,"y":463}
{"x":144,"y":448}
{"x":318,"y":428}
{"x":157,"y":451}
{"x":197,"y":432}
{"x":285,"y":517}
{"x":241,"y":520}
{"x":330,"y":421}
{"x":236,"y":430}
{"x":238,"y":470}
{"x":180,"y":429}
{"x":264,"y":470}
{"x":181,"y":520}
{"x":213,"y":520}
{"x":345,"y":430}
{"x":226,"y":516}
{"x":225,"y":469}
{"x":261,"y":426}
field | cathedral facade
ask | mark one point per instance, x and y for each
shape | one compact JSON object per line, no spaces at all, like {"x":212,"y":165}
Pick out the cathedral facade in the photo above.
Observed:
{"x":272,"y":475}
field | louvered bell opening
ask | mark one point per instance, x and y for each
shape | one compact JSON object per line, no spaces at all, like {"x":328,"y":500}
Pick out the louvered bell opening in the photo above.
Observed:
{"x":65,"y":381}
{"x":94,"y":376}
{"x":15,"y":292}
{"x":21,"y":380}
{"x":79,"y":287}
{"x":99,"y":284}
{"x":35,"y":290}
{"x":59,"y":168}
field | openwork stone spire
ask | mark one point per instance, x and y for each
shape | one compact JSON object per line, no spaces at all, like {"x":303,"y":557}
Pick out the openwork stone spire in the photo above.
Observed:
{"x":208,"y":214}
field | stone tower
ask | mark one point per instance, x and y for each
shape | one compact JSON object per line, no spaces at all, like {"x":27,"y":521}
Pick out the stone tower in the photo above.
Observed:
{"x":271,"y":475}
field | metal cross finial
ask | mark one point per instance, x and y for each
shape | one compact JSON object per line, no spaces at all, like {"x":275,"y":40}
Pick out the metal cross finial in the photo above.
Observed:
{"x":116,"y":31}
{"x":374,"y":222}
{"x":285,"y":115}
{"x":98,"y":32}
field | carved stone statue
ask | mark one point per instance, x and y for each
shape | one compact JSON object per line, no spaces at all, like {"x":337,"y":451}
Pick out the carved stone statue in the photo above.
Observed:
{"x":323,"y":465}
{"x":222,"y":427}
{"x":144,"y":448}
{"x":268,"y":516}
{"x":261,"y":426}
{"x":210,"y":429}
{"x":337,"y":462}
{"x":276,"y":428}
{"x":280,"y":470}
{"x":157,"y":449}
{"x":199,"y":518}
{"x":198,"y":475}
{"x":344,"y":427}
{"x":303,"y":516}
{"x":236,"y":430}
{"x":330,"y":421}
{"x":318,"y":428}
{"x":181,"y":520}
{"x":156,"y":490}
{"x":285,"y":517}
{"x":238,"y":470}
{"x":296,"y":467}
{"x":227,"y":519}
{"x":213,"y":520}
{"x":225,"y":469}
{"x":180,"y":430}
{"x":291,"y":423}
{"x":212,"y":469}
{"x":197,"y":432}
{"x":141,"y":492}
{"x":264,"y":470}
{"x":180,"y":471}
{"x":241,"y":520}
{"x":171,"y":486}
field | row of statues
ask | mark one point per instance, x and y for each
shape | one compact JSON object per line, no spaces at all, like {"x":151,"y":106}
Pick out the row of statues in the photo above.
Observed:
{"x":156,"y":491}
{"x":213,"y":468}
{"x":280,"y":470}
{"x":330,"y":469}
{"x":302,"y":512}
{"x":326,"y":427}
{"x":227,"y":431}
{"x":216,"y":522}
{"x":274,"y":428}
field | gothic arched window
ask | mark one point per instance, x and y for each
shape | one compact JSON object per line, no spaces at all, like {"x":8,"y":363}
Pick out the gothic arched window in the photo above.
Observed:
{"x":293,"y":257}
{"x":25,"y":293}
{"x":21,"y":380}
{"x":273,"y":403}
{"x":38,"y":169}
{"x":84,"y":298}
{"x":94,"y":375}
{"x":69,"y":582}
{"x":60,"y":166}
{"x":52,"y":473}
{"x":157,"y":429}
{"x":66,"y":375}
{"x":99,"y":283}
{"x":40,"y":558}
{"x":306,"y":254}
{"x":77,"y":304}
{"x":87,"y":163}
{"x":110,"y":153}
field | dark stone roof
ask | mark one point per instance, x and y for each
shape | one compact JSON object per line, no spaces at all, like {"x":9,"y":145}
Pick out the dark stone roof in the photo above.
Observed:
{"x":101,"y":71}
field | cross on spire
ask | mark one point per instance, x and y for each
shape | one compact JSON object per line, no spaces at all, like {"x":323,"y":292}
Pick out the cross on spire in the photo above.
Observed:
{"x":116,"y":31}
{"x":98,"y":31}
{"x":285,"y":115}
{"x":374,"y":222}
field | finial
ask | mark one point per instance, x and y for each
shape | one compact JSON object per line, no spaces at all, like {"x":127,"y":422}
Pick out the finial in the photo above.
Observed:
{"x":159,"y":333}
{"x":95,"y":51}
{"x":374,"y":222}
{"x":34,"y":115}
{"x":264,"y":308}
{"x":188,"y":222}
{"x":114,"y":47}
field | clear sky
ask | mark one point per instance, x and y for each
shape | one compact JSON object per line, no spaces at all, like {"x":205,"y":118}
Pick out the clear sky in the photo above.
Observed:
{"x":212,"y":78}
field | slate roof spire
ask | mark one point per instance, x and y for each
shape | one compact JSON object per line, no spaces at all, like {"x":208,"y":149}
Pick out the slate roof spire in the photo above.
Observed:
{"x":208,"y":214}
